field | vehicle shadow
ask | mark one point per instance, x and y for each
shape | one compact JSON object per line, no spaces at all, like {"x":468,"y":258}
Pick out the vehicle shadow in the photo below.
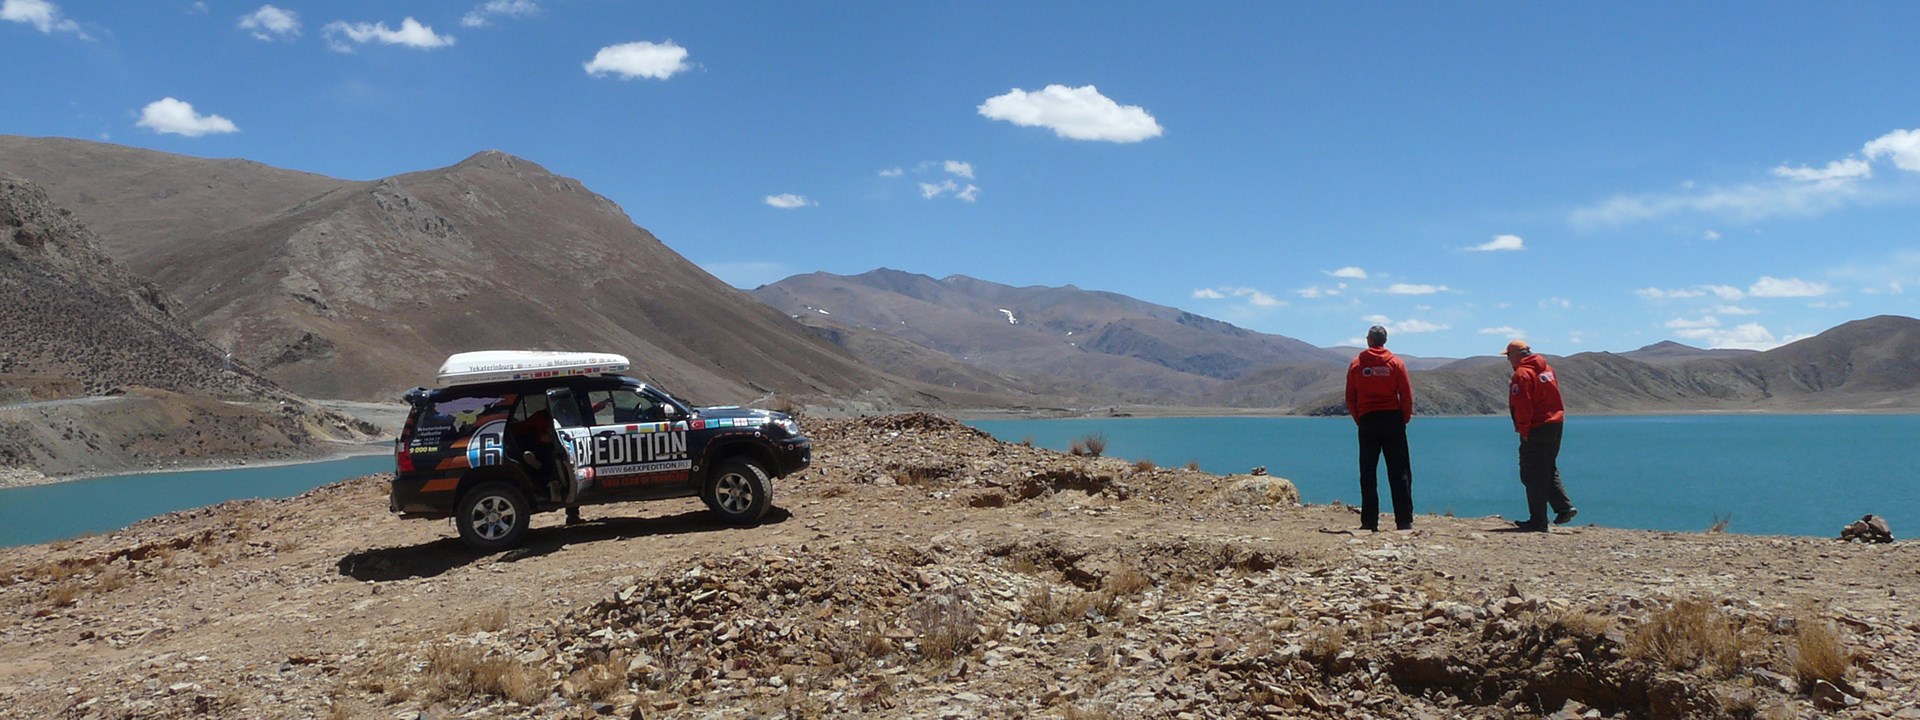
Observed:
{"x":431,"y":559}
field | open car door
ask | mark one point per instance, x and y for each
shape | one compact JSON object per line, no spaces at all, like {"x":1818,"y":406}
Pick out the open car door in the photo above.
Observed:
{"x":567,"y":424}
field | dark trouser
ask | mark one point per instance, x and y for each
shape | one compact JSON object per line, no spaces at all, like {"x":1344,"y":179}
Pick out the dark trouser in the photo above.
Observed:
{"x":1540,"y":472}
{"x":1386,"y":432}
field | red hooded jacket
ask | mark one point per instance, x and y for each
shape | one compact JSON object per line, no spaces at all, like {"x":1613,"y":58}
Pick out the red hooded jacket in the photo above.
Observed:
{"x":1377,"y":381}
{"x":1534,"y":396}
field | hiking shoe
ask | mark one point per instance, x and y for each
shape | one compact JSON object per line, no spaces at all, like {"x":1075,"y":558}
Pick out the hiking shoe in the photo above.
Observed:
{"x":1565,"y":517}
{"x":531,"y":460}
{"x":1525,"y":526}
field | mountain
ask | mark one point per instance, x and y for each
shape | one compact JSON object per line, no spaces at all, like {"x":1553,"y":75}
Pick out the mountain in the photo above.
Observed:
{"x":1089,"y":343}
{"x":1669,"y":352}
{"x":358,"y":290}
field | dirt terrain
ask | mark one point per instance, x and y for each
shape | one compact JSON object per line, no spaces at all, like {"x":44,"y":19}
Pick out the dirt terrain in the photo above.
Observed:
{"x":922,"y":569}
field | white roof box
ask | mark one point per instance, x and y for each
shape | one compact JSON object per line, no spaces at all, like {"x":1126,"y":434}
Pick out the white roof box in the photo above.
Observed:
{"x":468,"y":368}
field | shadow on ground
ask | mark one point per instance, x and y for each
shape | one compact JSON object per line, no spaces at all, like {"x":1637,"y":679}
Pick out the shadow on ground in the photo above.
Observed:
{"x":434,"y":558}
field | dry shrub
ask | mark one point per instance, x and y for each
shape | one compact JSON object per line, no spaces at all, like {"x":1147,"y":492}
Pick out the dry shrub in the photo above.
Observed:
{"x":600,"y":681}
{"x":863,"y":640}
{"x":1193,"y":465}
{"x":1024,"y":565}
{"x":949,"y":627}
{"x":493,"y":619}
{"x":1579,"y":622}
{"x":1720,"y":523}
{"x":1027,"y":441}
{"x":1090,"y":445}
{"x":1126,"y":581}
{"x":1323,"y":645}
{"x":113,"y":578}
{"x":1042,"y":607}
{"x":1143,"y":465}
{"x":1075,"y":712}
{"x":1689,"y":634}
{"x":384,"y":674}
{"x":458,"y":673}
{"x":65,"y":593}
{"x":1817,"y":654}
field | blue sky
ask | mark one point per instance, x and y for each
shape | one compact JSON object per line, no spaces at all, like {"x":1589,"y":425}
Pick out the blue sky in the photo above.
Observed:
{"x":1592,"y":176}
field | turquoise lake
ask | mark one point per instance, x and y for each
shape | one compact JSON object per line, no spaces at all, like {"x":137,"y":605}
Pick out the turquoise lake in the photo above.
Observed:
{"x":43,"y":513}
{"x":1765,"y":474}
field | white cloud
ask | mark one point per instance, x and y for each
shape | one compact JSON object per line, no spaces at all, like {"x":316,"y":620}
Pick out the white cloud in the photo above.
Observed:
{"x":1725,"y":292}
{"x":42,"y":15}
{"x":271,"y":23}
{"x":1838,"y":171}
{"x":1080,"y":113}
{"x":1349,"y":271}
{"x":962,"y":169}
{"x":1771,"y":287}
{"x":639,"y":59}
{"x":892,"y":172}
{"x":1556,"y":302}
{"x":1659,"y":294}
{"x":788,"y":201}
{"x":199,"y":7}
{"x":1708,"y":321}
{"x":484,"y":14}
{"x":342,"y":36}
{"x":1901,"y":145}
{"x":1419,"y":326}
{"x":1500,"y":242}
{"x":1711,"y":235}
{"x":1734,"y":310}
{"x":175,"y":117}
{"x":1504,"y":331}
{"x":1311,"y":293}
{"x":1254,"y":297}
{"x":1415,"y":289}
{"x":968,"y":192}
{"x":1748,"y":336}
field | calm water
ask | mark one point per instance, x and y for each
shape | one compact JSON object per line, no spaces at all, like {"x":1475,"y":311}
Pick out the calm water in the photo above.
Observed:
{"x":1772,"y":474}
{"x":43,"y":513}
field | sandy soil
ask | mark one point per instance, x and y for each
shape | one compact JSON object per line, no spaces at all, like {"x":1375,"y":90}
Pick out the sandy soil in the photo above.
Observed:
{"x":921,"y":569}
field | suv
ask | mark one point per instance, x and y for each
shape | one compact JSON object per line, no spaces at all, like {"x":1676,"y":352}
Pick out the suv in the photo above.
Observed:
{"x":518,"y":433}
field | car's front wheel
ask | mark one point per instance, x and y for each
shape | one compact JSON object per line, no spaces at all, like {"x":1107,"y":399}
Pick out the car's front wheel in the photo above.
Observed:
{"x":493,"y":516}
{"x":739,"y":491}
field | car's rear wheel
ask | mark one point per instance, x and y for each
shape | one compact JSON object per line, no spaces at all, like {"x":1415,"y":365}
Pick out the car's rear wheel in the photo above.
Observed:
{"x":493,"y":516}
{"x":739,"y":491}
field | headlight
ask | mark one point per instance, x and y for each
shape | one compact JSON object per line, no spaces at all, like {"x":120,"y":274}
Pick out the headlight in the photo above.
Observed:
{"x":789,"y":426}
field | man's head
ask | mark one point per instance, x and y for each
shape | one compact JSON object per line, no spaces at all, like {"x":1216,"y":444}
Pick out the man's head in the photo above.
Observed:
{"x":1516,"y":351}
{"x":1376,"y":336}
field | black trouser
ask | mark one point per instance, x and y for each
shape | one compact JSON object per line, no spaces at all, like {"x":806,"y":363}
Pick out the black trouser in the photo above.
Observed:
{"x":1385,"y":431}
{"x":1540,"y":473}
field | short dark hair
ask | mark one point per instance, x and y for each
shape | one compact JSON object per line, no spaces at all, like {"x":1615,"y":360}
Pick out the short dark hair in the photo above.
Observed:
{"x":1376,"y":336}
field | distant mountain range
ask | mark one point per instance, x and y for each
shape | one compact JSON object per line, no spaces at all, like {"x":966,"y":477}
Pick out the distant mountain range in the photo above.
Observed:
{"x":1105,"y":348}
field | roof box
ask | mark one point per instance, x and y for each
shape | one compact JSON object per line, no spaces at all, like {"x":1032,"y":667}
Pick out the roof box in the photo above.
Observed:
{"x":485,"y":366}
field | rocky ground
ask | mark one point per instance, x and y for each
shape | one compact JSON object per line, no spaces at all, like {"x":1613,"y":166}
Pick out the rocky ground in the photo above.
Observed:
{"x":922,"y":569}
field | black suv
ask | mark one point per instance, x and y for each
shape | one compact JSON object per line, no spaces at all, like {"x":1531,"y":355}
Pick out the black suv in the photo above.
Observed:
{"x":492,"y":454}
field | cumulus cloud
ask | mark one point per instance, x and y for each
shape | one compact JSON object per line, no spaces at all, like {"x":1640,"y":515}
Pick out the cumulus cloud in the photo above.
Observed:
{"x":1747,"y":336}
{"x":343,"y":36}
{"x":640,"y":59}
{"x":271,"y":23}
{"x":1772,"y":287}
{"x":1253,"y":296}
{"x":1080,"y":113}
{"x":1504,"y":331}
{"x":484,"y":14}
{"x":1405,"y":326}
{"x":1500,"y":243}
{"x":1349,"y":271}
{"x":1711,"y":235}
{"x":174,"y":117}
{"x":1838,"y":171}
{"x":1724,"y":292}
{"x":788,"y":201}
{"x":1902,"y":146}
{"x":1734,"y":310}
{"x":962,"y":169}
{"x":42,"y":15}
{"x":892,"y":172}
{"x":968,"y":192}
{"x":1415,"y":289}
{"x":1707,"y":321}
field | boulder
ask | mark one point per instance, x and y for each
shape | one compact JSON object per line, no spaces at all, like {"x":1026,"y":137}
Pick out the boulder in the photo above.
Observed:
{"x":1869,"y":529}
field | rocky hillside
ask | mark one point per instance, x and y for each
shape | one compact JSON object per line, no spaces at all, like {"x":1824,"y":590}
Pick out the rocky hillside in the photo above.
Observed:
{"x":921,"y":569}
{"x":341,"y":289}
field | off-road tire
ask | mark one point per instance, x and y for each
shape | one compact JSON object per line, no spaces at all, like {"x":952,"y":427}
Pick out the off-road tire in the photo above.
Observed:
{"x":493,"y":516}
{"x":739,"y":492}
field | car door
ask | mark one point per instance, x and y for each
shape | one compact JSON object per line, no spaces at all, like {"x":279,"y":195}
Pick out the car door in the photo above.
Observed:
{"x":572,"y":436}
{"x":635,"y":449}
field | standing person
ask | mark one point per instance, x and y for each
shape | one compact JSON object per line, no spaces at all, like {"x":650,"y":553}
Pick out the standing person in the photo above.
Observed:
{"x":1380,"y":399}
{"x":1533,"y":397}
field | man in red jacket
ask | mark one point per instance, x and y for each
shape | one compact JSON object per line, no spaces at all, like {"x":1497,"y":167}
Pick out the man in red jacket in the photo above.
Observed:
{"x":1533,"y":396}
{"x":1380,"y":399}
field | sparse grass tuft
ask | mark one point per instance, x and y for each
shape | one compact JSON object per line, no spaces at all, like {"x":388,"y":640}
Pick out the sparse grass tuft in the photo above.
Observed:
{"x":1817,"y":654}
{"x":1720,"y":523}
{"x":493,"y":619}
{"x":1090,"y":445}
{"x":457,"y":673}
{"x":1027,"y":441}
{"x":1689,"y":634}
{"x":1143,"y":465}
{"x":948,"y":625}
{"x":1579,"y":622}
{"x":1042,"y":607}
{"x":1075,"y":712}
{"x":1126,"y":581}
{"x":1193,"y":465}
{"x":65,"y":593}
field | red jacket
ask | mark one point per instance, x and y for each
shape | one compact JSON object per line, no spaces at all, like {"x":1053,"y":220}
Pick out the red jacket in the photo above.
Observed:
{"x":1534,"y":396}
{"x":1377,"y":381}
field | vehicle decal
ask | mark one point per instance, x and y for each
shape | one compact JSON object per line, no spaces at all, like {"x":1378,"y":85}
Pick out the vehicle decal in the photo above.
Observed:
{"x":440,"y":485}
{"x":486,"y":446}
{"x":464,"y":411}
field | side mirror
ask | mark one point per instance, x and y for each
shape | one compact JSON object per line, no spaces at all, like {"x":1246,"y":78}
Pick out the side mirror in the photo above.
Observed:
{"x":670,"y":411}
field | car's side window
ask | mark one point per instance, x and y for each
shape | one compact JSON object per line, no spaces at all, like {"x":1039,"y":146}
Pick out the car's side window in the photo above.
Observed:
{"x":530,"y":404}
{"x":612,"y":407}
